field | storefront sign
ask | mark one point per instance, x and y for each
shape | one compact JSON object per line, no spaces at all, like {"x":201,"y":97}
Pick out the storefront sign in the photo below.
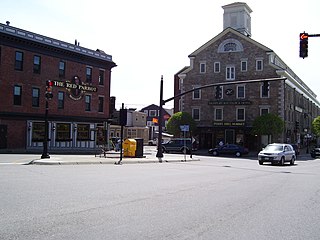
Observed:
{"x":75,"y":88}
{"x":240,"y":102}
{"x":228,"y":124}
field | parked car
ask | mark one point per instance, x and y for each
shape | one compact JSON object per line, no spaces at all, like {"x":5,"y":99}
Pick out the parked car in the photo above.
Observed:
{"x":296,"y":149}
{"x":231,"y":149}
{"x":277,"y":153}
{"x":183,"y":145}
{"x":315,"y":152}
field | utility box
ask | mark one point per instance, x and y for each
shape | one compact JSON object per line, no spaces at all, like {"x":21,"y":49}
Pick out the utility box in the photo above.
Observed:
{"x":129,"y":147}
{"x":139,"y":148}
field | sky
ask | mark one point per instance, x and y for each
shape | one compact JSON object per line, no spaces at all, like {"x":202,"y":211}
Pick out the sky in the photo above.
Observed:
{"x":149,"y":39}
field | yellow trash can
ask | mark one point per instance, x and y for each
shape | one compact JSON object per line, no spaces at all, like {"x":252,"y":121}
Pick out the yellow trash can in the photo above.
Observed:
{"x":129,"y":147}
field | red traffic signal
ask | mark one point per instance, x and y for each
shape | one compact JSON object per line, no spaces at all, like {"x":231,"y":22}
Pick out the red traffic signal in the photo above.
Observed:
{"x":303,"y":45}
{"x":49,"y":86}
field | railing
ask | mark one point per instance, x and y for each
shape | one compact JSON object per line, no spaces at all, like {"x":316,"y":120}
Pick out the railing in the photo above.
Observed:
{"x":52,"y":42}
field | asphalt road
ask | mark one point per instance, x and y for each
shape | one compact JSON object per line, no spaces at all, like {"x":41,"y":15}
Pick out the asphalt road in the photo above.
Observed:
{"x":215,"y":198}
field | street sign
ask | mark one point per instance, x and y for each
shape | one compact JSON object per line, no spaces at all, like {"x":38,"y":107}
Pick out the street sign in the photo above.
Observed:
{"x":184,"y":128}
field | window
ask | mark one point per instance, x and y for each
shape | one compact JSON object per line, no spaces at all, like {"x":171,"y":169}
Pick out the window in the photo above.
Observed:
{"x":101,"y":77}
{"x":36,"y":64}
{"x":89,"y":74}
{"x":196,"y":94}
{"x":259,"y":65}
{"x":218,"y":114}
{"x":240,"y":114}
{"x":101,"y":101}
{"x":88,"y":103}
{"x":244,"y":65}
{"x":217,"y":67}
{"x":196,"y":114}
{"x":62,"y":69}
{"x":19,"y":61}
{"x":38,"y":131}
{"x":83,"y":132}
{"x":264,"y":111}
{"x":17,"y":95}
{"x":60,"y":100}
{"x":35,"y":97}
{"x":230,"y":47}
{"x":202,"y":67}
{"x":152,"y":113}
{"x":240,"y":92}
{"x":63,"y":132}
{"x":264,"y":94}
{"x":230,"y":73}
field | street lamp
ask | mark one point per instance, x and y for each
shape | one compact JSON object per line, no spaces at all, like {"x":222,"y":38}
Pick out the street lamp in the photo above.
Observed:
{"x":159,"y":150}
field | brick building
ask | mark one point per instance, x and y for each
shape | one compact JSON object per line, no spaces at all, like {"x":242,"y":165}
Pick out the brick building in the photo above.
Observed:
{"x":233,"y":56}
{"x":79,"y":109}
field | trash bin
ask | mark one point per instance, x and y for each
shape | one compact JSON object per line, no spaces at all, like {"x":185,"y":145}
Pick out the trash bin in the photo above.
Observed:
{"x":129,"y":147}
{"x":139,"y":148}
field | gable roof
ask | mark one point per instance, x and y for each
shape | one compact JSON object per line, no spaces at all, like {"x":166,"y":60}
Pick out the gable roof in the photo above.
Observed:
{"x":223,"y":33}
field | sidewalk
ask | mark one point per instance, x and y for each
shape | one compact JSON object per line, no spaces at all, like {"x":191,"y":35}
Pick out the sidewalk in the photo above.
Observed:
{"x":112,"y":158}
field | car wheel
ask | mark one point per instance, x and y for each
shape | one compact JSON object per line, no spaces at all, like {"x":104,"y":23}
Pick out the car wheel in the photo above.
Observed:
{"x":260,"y":162}
{"x":292,"y":160}
{"x":215,"y":153}
{"x":282,"y":161}
{"x":238,"y":154}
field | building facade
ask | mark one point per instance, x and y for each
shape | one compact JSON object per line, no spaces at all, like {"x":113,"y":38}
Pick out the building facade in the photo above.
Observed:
{"x":227,"y":114}
{"x":79,"y":109}
{"x":152,"y":112}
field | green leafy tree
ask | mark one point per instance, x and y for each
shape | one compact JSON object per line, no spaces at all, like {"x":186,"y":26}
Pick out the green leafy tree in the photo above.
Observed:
{"x":178,"y":119}
{"x":316,"y":126}
{"x":268,"y":124}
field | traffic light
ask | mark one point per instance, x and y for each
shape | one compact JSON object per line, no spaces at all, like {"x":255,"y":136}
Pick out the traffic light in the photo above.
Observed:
{"x":303,"y":45}
{"x":218,"y":92}
{"x":265,"y":88}
{"x":123,"y":116}
{"x":49,"y":87}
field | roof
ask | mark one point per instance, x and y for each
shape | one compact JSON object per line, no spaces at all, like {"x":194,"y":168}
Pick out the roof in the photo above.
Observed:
{"x":237,"y":4}
{"x":224,"y":32}
{"x":30,"y":36}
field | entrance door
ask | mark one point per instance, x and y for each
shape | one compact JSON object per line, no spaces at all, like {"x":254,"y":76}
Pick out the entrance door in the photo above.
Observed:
{"x":229,"y":136}
{"x":3,"y":136}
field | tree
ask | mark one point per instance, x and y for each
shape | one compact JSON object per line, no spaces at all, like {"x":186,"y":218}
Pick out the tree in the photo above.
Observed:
{"x":178,"y":119}
{"x":268,"y":124}
{"x":316,"y":126}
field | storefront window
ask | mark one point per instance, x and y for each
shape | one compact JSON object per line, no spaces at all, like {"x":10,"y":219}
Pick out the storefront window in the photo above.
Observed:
{"x":83,"y":132}
{"x":63,"y":132}
{"x":38,"y":132}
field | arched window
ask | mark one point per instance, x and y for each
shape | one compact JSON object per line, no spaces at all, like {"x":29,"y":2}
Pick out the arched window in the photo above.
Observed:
{"x":230,"y":47}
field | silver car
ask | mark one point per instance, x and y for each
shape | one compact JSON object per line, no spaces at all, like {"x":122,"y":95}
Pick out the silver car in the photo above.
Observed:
{"x":277,"y":153}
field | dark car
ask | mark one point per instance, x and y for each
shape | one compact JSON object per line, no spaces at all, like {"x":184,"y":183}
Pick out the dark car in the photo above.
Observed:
{"x":183,"y":145}
{"x":315,"y":153}
{"x":229,"y":149}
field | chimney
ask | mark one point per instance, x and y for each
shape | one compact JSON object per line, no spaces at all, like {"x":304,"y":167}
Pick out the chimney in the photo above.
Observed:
{"x":237,"y":16}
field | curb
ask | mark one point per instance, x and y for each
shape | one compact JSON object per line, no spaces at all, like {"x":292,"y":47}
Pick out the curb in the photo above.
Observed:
{"x":111,"y":161}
